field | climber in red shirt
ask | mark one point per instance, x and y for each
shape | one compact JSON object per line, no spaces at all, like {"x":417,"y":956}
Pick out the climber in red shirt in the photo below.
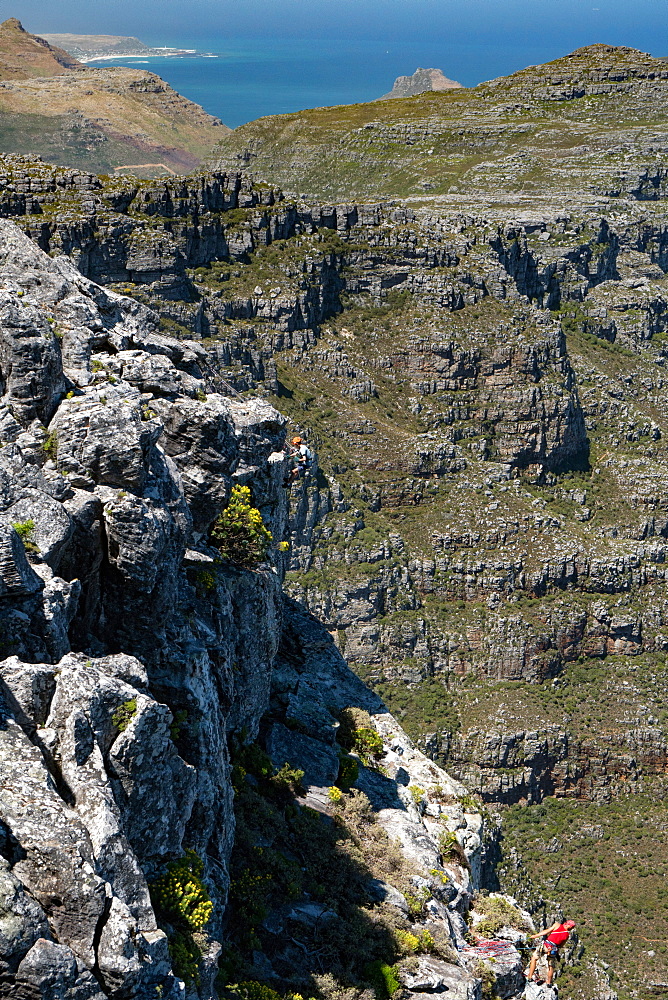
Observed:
{"x":548,"y":949}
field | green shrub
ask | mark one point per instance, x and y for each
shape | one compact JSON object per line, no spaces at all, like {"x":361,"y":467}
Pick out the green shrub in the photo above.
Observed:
{"x":416,"y":900}
{"x":407,"y":943}
{"x":180,"y":720}
{"x":357,"y":735}
{"x":248,"y":896}
{"x":50,"y":446}
{"x":24,"y":530}
{"x":417,"y":794}
{"x":239,"y":532}
{"x":368,"y":744}
{"x":498,"y":913}
{"x":451,"y":849}
{"x":348,"y":772}
{"x":185,"y":954}
{"x":124,"y":714}
{"x":253,"y":990}
{"x":252,"y":758}
{"x":205,"y":581}
{"x":180,"y":895}
{"x":427,"y":941}
{"x":290,"y":779}
{"x":384,"y":979}
{"x":488,"y":980}
{"x":181,"y":900}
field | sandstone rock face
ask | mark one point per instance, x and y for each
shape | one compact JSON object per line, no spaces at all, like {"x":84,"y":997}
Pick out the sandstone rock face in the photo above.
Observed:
{"x":109,"y":487}
{"x":419,"y":82}
{"x":134,"y":652}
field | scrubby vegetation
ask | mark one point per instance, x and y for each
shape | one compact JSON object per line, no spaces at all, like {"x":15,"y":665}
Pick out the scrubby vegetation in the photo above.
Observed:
{"x":25,"y":529}
{"x":498,"y":913}
{"x":239,"y":532}
{"x":183,"y":906}
{"x":124,"y":714}
{"x":607,"y":864}
{"x":286,"y":856}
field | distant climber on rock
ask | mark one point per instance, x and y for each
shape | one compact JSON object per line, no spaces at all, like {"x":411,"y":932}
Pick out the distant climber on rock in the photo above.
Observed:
{"x":545,"y":958}
{"x":301,"y":459}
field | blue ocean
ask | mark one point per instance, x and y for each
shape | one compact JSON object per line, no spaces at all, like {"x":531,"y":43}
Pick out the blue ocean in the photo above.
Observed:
{"x":240,"y":79}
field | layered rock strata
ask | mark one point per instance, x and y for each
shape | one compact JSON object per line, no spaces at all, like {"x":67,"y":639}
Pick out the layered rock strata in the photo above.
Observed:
{"x":133,"y":652}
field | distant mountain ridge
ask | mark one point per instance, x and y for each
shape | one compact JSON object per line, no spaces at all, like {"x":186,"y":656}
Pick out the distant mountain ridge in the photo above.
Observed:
{"x":103,"y":119}
{"x":24,"y":56}
{"x":421,"y":81}
{"x":544,"y":135}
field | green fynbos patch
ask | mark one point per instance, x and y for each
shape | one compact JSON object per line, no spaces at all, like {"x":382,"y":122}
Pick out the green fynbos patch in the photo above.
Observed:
{"x":124,"y":714}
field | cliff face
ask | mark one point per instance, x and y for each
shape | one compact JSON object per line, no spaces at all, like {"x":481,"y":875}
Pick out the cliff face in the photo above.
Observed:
{"x":134,"y":654}
{"x":109,"y":631}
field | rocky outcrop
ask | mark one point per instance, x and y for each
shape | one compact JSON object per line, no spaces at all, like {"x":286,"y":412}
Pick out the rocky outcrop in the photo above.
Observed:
{"x":134,"y":652}
{"x":110,"y":484}
{"x":419,"y":82}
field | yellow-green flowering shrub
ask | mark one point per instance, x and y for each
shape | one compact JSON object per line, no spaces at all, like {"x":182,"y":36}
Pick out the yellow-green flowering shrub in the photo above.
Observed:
{"x":239,"y":532}
{"x":181,"y":895}
{"x":181,"y":900}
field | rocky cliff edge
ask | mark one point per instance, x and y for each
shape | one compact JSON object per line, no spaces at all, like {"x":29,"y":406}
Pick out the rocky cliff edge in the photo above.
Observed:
{"x":132,"y":652}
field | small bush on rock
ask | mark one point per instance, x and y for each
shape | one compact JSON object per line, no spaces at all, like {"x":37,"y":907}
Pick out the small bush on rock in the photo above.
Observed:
{"x":356,"y":734}
{"x":124,"y":714}
{"x":384,"y":978}
{"x":252,"y":990}
{"x":498,"y":913}
{"x":239,"y":532}
{"x":181,"y":900}
{"x":181,"y":895}
{"x":289,"y":778}
{"x":348,"y":772}
{"x":24,"y":530}
{"x":50,"y":446}
{"x":487,"y":979}
{"x":407,"y":943}
{"x":452,"y":850}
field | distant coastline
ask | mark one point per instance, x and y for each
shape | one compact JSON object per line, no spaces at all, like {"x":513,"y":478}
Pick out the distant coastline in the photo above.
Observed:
{"x":152,"y":54}
{"x":99,"y":48}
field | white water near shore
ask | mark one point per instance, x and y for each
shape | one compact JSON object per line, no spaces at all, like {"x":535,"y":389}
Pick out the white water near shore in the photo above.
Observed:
{"x":151,"y":54}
